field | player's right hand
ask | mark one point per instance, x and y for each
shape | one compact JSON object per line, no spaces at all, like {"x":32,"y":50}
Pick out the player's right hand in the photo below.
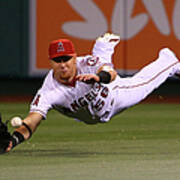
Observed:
{"x":88,"y":78}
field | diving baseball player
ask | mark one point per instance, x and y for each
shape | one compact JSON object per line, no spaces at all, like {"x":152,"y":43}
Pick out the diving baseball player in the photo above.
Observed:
{"x":88,"y":88}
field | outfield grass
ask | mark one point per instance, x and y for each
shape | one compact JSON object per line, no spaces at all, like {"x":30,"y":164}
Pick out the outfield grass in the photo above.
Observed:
{"x":142,"y":143}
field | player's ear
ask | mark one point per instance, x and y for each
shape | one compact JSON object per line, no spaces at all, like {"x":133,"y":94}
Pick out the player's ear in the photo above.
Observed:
{"x":51,"y":63}
{"x":75,"y":56}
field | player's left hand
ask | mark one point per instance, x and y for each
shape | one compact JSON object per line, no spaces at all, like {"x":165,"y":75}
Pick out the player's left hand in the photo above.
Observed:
{"x":87,"y":78}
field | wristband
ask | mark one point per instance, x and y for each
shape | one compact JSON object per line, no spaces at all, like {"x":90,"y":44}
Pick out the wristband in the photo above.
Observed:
{"x":17,"y":138}
{"x":28,"y":128}
{"x":104,"y":77}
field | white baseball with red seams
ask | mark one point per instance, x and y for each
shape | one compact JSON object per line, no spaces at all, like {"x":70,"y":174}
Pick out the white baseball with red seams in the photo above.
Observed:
{"x":100,"y":102}
{"x":16,"y":121}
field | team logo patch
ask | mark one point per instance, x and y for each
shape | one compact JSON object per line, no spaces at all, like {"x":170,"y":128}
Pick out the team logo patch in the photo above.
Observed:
{"x":60,"y":47}
{"x":92,"y":61}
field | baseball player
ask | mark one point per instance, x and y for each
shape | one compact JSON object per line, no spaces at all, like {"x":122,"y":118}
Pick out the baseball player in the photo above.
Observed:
{"x":88,"y":88}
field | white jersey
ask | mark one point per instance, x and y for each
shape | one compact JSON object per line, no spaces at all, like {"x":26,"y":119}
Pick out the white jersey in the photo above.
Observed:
{"x":97,"y":102}
{"x":86,"y":102}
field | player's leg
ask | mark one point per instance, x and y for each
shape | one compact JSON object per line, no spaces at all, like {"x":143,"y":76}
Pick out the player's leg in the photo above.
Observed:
{"x":132,"y":90}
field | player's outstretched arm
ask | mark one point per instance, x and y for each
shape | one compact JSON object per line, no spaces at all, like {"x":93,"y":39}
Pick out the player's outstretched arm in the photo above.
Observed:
{"x":25,"y":131}
{"x":105,"y":74}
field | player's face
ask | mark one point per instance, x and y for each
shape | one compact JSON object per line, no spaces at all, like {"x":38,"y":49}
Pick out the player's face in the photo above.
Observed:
{"x":64,"y":68}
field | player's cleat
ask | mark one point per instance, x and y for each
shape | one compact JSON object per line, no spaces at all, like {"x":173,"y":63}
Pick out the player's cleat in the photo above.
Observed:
{"x":104,"y":46}
{"x":111,"y":38}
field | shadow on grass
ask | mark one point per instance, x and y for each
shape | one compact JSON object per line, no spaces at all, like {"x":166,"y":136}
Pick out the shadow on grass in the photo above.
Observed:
{"x":56,"y":152}
{"x":82,"y":154}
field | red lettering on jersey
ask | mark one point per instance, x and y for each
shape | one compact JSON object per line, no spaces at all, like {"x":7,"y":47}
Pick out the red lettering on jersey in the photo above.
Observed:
{"x":104,"y":92}
{"x":36,"y":101}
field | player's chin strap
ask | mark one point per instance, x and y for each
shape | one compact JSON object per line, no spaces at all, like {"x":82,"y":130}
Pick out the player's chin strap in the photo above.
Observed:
{"x":18,"y":138}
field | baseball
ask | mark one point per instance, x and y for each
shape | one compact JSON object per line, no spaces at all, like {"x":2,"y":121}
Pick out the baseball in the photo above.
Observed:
{"x":16,"y":121}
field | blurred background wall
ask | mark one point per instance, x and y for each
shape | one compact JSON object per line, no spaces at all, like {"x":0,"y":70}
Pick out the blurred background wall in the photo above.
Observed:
{"x":27,"y":27}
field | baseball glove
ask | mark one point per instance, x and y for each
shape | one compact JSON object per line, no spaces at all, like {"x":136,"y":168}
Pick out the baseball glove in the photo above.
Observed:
{"x":5,"y":137}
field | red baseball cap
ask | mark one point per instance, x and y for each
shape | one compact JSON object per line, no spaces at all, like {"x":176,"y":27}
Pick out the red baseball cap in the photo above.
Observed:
{"x":61,"y":47}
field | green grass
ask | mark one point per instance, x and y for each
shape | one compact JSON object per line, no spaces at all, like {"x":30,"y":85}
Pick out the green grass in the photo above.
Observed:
{"x":142,"y":143}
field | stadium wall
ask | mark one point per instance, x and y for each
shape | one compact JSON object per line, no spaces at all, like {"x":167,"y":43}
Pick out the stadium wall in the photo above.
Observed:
{"x":27,"y":27}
